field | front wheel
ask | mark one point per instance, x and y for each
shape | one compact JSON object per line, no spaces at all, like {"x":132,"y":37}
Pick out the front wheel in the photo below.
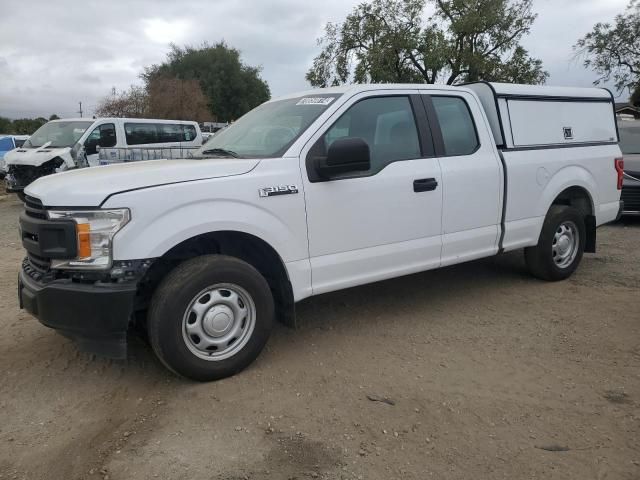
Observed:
{"x":210,"y":317}
{"x":560,"y":246}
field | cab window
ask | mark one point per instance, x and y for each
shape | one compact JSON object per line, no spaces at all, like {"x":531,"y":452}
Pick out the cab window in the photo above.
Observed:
{"x":458,"y":130}
{"x":386,"y":124}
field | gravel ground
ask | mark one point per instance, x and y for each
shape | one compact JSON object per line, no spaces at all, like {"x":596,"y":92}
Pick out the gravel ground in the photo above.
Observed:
{"x":487,"y":374}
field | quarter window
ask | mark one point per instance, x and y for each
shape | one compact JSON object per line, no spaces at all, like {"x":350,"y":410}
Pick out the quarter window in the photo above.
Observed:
{"x":386,"y":124}
{"x":458,"y":131}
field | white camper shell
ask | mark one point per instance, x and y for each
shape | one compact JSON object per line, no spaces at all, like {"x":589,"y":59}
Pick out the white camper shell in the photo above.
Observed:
{"x":527,"y":116}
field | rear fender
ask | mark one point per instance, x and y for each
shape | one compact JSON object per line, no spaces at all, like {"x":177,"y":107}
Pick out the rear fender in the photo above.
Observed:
{"x":567,"y":177}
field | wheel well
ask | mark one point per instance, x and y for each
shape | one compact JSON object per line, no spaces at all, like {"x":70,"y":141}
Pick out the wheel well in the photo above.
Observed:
{"x":241,"y":245}
{"x":580,"y":199}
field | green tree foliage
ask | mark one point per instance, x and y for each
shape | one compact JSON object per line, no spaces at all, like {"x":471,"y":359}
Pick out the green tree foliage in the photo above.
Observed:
{"x":231,"y":87}
{"x":463,"y":41}
{"x":26,"y":126}
{"x":613,"y":51}
{"x":54,"y":117}
{"x":5,"y":125}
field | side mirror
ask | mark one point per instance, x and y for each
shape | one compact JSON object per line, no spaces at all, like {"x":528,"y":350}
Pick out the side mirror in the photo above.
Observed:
{"x":91,"y":147}
{"x":345,"y":155}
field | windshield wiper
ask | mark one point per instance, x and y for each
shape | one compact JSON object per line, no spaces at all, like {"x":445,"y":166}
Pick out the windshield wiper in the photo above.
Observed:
{"x":223,"y":151}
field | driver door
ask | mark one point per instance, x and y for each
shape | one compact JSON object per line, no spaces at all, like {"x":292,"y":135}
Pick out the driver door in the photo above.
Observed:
{"x":103,"y":136}
{"x":383,"y":222}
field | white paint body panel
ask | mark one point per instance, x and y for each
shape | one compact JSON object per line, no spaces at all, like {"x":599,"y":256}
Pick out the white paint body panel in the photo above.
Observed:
{"x":542,"y":122}
{"x":337,"y":234}
{"x":356,"y":224}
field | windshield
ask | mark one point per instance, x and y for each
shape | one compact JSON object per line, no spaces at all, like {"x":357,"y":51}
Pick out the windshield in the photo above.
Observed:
{"x":630,"y":137}
{"x":60,"y":134}
{"x":268,"y":130}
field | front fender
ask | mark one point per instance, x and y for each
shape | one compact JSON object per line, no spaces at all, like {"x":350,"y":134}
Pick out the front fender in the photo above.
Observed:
{"x":151,"y":233}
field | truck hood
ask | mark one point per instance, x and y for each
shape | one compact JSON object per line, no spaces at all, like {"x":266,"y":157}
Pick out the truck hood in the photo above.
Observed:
{"x":34,"y":156}
{"x":89,"y":187}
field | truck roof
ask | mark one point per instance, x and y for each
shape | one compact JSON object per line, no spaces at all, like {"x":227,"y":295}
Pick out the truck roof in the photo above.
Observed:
{"x":126,"y":119}
{"x":500,"y":89}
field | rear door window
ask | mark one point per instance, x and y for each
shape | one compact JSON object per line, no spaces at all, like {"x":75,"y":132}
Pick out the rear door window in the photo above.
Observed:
{"x":140,"y":133}
{"x":458,"y":130}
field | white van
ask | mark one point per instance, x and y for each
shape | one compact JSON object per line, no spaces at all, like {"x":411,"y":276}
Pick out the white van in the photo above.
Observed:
{"x":61,"y":145}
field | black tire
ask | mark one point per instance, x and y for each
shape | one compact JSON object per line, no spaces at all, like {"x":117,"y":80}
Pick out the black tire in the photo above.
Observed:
{"x":175,"y":295}
{"x":540,"y":260}
{"x":21,"y":195}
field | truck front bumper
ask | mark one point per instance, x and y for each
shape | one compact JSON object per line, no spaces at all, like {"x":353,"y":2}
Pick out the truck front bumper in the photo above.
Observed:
{"x":95,"y":315}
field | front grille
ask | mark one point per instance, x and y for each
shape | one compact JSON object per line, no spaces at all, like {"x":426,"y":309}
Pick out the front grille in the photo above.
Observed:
{"x":34,"y":208}
{"x":22,"y":175}
{"x":631,"y":199}
{"x":39,"y":263}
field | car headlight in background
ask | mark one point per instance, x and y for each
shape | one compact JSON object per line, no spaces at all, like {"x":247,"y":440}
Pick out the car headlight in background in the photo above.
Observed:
{"x":95,"y":230}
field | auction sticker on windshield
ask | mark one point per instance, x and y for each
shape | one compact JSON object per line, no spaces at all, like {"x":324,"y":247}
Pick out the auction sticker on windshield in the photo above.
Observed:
{"x":315,"y":101}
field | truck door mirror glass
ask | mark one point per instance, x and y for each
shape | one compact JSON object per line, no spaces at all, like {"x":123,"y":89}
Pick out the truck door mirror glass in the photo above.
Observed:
{"x":91,"y":146}
{"x":345,"y":155}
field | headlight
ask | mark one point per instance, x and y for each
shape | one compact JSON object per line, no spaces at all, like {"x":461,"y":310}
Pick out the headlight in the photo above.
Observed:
{"x":95,"y":230}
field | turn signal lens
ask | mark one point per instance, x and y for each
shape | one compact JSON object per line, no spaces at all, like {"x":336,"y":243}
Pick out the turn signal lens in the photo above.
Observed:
{"x":619,"y":164}
{"x":84,"y":240}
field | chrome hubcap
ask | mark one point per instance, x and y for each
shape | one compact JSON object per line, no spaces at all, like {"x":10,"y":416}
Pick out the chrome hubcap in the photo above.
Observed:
{"x":219,"y":321}
{"x":566,"y":243}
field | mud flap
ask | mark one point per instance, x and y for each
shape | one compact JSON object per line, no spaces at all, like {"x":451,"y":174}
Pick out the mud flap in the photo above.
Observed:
{"x":590,"y":227}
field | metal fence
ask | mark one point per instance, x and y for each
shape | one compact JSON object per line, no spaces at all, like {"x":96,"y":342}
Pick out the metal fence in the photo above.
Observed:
{"x":107,"y":156}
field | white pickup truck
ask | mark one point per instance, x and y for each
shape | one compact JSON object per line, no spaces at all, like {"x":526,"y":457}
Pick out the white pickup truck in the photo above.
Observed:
{"x":311,"y":193}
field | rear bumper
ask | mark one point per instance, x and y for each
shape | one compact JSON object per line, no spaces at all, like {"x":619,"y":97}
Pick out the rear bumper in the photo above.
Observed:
{"x":95,"y":315}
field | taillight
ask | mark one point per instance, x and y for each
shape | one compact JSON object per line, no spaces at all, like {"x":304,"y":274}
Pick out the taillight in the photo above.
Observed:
{"x":619,"y":163}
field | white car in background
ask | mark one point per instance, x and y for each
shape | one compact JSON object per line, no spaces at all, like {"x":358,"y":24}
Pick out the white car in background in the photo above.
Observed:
{"x":66,"y":144}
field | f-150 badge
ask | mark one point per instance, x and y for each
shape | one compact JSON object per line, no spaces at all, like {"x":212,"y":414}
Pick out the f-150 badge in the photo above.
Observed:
{"x":278,"y":190}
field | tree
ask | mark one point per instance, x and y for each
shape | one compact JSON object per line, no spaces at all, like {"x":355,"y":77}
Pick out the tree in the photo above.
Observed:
{"x":6,"y":126}
{"x":463,"y":41}
{"x":613,"y":51}
{"x":54,"y":117}
{"x":132,"y":103}
{"x":27,"y":126}
{"x":172,"y":98}
{"x":231,"y":87}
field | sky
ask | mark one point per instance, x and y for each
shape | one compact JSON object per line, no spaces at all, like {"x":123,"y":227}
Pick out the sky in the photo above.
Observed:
{"x":54,"y":54}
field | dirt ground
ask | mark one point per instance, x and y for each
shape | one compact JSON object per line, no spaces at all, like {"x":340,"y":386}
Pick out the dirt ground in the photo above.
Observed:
{"x":491,"y":374}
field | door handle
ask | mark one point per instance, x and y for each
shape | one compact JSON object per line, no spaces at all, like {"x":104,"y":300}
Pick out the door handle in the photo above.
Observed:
{"x":425,"y":185}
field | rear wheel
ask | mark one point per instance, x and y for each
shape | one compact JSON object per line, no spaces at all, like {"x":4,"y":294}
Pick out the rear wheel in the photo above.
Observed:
{"x":210,"y":317}
{"x":560,"y":246}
